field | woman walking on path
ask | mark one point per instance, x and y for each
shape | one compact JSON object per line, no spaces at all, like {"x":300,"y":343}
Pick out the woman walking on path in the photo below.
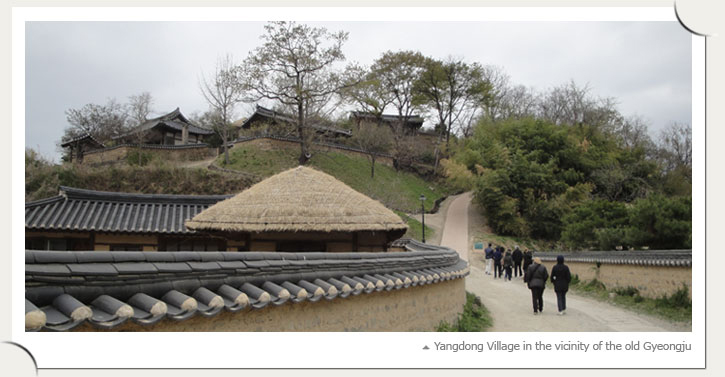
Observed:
{"x":527,"y":259}
{"x":508,"y":263}
{"x":536,"y":277}
{"x":561,"y":277}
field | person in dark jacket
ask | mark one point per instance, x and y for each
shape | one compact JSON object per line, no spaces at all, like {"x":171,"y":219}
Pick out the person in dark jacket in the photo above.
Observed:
{"x":527,"y":259}
{"x":489,"y":259}
{"x":536,"y":277}
{"x":518,"y":257}
{"x":508,"y":264}
{"x":561,"y":276}
{"x":497,"y":268}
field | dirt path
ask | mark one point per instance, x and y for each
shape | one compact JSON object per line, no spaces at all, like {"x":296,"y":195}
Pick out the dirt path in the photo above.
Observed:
{"x":198,"y":164}
{"x":510,"y":302}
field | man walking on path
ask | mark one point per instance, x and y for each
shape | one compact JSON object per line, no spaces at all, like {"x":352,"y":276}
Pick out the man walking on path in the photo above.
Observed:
{"x":518,"y":257}
{"x":489,"y":259}
{"x":536,"y":277}
{"x":497,"y":256}
{"x":508,"y":264}
{"x":561,"y":277}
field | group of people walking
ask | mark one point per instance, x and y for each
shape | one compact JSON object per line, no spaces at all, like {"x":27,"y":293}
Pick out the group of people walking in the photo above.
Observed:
{"x":534,"y":273}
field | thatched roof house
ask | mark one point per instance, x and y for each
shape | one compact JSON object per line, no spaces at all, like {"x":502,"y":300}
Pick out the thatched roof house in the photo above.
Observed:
{"x":302,"y":209}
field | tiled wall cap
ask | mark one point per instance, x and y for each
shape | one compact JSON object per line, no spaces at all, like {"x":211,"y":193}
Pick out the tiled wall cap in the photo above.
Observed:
{"x":113,"y":306}
{"x":149,"y":304}
{"x":72,"y":308}
{"x":208,"y":298}
{"x":34,"y":318}
{"x":316,"y":291}
{"x":180,"y":300}
{"x":256,"y":293}
{"x":296,"y":291}
{"x":330,"y":290}
{"x":234,"y":295}
{"x":276,"y":290}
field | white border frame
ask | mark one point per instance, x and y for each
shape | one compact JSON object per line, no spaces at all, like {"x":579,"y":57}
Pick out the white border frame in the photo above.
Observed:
{"x":341,"y":350}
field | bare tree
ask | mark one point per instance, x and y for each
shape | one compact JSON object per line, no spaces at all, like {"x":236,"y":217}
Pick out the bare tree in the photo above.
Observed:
{"x":454,"y":89}
{"x":294,"y":67}
{"x":138,"y":108}
{"x":675,"y":145}
{"x":375,"y":141}
{"x":102,"y":122}
{"x":398,"y":72}
{"x":223,"y":92}
{"x":366,"y":91}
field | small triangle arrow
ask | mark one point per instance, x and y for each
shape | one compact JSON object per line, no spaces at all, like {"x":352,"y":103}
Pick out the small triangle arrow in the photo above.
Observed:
{"x":426,"y":348}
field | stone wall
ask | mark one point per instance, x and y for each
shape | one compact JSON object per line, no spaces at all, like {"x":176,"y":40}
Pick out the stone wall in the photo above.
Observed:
{"x":651,"y":281}
{"x":268,"y":144}
{"x":120,"y":153}
{"x":419,"y":308}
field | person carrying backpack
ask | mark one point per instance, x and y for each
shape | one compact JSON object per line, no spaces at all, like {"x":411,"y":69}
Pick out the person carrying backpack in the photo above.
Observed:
{"x":536,"y":276}
{"x":561,"y":276}
{"x":489,"y":259}
{"x":497,"y":268}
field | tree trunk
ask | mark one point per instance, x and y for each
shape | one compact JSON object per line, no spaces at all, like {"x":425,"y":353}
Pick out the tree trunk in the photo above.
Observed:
{"x":225,"y":145}
{"x":304,"y":153}
{"x":372,"y":166}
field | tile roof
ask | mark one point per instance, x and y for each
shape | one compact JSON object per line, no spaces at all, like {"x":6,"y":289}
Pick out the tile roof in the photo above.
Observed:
{"x":66,"y":289}
{"x":263,"y":112}
{"x":414,"y":120}
{"x":671,"y":258}
{"x":85,"y":137}
{"x":87,"y":210}
{"x":175,"y":120}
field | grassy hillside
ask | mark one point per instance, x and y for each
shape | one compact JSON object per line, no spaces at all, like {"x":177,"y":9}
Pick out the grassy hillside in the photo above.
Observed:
{"x":397,"y":190}
{"x":42,"y":179}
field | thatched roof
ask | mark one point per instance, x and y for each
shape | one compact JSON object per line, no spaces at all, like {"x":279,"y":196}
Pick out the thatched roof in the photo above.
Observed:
{"x":298,"y":200}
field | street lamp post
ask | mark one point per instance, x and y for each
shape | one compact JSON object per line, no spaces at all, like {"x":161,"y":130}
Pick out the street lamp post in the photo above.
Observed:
{"x":422,"y":214}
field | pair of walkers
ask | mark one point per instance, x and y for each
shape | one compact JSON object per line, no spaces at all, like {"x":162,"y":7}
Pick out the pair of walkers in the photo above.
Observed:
{"x":536,"y":276}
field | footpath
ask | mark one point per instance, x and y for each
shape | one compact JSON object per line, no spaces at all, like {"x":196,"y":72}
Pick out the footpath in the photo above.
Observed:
{"x":510,"y":302}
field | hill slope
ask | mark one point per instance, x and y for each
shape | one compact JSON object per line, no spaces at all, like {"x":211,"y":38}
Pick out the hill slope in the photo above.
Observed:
{"x":397,"y":190}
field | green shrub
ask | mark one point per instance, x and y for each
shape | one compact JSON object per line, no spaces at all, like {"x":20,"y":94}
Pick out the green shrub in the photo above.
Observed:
{"x":575,"y":280}
{"x":626,"y":291}
{"x":138,"y":158}
{"x":679,"y":299}
{"x":475,"y":317}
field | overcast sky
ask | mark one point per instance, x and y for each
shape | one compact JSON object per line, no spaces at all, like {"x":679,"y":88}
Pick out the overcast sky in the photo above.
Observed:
{"x":645,"y":65}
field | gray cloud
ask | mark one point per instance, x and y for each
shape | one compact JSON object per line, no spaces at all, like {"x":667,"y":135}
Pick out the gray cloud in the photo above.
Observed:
{"x":645,"y":65}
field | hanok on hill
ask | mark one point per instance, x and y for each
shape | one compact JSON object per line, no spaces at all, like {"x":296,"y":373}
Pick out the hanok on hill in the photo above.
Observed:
{"x":169,"y":129}
{"x":78,"y":146}
{"x":412,"y":123}
{"x":278,"y":124}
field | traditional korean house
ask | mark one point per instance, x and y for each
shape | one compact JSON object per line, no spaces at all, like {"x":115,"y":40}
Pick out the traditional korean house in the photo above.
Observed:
{"x":169,"y":129}
{"x":78,"y":146}
{"x":412,"y":123}
{"x":302,"y":209}
{"x":79,"y":219}
{"x":275,"y":123}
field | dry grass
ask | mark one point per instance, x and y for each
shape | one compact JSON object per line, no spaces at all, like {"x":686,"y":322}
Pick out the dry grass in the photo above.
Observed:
{"x":299,"y":199}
